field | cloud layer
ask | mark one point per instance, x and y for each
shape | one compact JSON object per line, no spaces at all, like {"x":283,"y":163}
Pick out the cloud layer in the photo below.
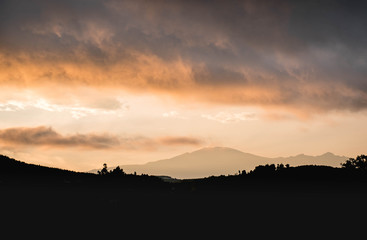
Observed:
{"x":180,"y":141}
{"x":300,"y":55}
{"x":76,"y":111}
{"x":225,"y":117}
{"x":47,"y":137}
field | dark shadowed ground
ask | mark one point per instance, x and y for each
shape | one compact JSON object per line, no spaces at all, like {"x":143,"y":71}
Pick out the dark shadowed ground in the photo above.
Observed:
{"x":297,"y":202}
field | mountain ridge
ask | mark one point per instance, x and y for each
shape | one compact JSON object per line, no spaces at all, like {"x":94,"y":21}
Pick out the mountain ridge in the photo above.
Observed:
{"x":214,"y":161}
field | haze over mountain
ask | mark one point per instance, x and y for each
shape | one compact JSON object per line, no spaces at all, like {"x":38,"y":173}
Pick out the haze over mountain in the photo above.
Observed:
{"x":222,"y":161}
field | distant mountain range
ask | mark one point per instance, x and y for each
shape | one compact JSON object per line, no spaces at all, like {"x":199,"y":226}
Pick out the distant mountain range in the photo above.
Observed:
{"x":222,"y":161}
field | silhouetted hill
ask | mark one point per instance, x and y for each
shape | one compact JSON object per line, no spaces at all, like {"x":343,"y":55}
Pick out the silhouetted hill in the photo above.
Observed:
{"x":14,"y":172}
{"x":12,"y":166}
{"x":280,"y":195}
{"x":223,"y":161}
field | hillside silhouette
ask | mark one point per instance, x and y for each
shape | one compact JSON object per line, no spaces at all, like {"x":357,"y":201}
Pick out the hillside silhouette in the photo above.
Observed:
{"x":16,"y":172}
{"x":272,"y":195}
{"x":351,"y":175}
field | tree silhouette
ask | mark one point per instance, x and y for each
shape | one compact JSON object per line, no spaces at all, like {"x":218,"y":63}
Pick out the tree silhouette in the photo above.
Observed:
{"x":280,"y":166}
{"x":104,"y":170}
{"x":117,"y":171}
{"x":264,"y":170}
{"x":358,"y":163}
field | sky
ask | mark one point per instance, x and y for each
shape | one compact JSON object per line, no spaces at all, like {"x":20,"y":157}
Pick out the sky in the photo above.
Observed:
{"x":87,"y":82}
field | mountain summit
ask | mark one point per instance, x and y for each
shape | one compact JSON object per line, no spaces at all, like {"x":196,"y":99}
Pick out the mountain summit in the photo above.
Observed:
{"x":214,"y":161}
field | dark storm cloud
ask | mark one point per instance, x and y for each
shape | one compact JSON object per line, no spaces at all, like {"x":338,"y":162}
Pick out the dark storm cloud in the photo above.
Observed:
{"x":302,"y":54}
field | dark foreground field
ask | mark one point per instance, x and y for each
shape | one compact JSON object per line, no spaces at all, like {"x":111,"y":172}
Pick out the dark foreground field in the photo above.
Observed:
{"x":310,"y":201}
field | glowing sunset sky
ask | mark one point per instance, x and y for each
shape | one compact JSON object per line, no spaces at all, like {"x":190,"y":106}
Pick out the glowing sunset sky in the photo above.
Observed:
{"x":84,"y":82}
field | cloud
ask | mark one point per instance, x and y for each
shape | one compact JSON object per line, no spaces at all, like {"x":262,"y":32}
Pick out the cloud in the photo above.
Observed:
{"x":47,"y":137}
{"x":225,"y":117}
{"x":297,"y":55}
{"x":180,"y":141}
{"x":75,"y":110}
{"x":170,"y":114}
{"x":173,"y":114}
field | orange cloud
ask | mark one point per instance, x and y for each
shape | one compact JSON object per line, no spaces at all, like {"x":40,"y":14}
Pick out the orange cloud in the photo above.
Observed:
{"x":180,"y":141}
{"x":151,"y":74}
{"x":193,"y":51}
{"x":47,"y":137}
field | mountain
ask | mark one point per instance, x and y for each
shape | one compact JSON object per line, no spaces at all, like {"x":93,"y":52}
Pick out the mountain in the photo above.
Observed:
{"x":222,"y":161}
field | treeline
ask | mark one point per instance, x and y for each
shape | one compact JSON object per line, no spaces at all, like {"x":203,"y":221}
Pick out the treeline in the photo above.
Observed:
{"x":353,"y":168}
